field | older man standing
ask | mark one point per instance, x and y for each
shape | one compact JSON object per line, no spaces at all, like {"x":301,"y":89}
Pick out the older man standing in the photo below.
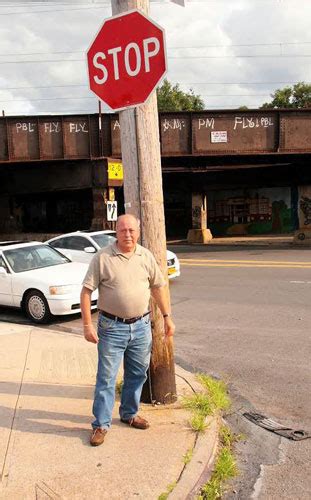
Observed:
{"x":125,"y":274}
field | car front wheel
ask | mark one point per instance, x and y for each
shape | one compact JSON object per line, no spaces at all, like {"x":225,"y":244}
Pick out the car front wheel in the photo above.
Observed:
{"x":37,"y":308}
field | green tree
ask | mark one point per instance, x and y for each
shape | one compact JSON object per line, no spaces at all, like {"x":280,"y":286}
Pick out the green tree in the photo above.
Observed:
{"x":172,"y":98}
{"x":296,"y":96}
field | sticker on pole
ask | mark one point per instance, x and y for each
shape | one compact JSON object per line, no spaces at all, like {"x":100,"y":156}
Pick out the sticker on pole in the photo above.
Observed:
{"x":127,"y":60}
{"x":112,"y":211}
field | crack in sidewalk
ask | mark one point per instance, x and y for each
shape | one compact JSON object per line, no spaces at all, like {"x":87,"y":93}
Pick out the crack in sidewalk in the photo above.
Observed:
{"x":15,"y":410}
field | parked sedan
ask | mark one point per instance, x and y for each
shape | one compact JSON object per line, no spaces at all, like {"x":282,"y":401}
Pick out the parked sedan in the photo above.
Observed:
{"x":40,"y":280}
{"x":80,"y":246}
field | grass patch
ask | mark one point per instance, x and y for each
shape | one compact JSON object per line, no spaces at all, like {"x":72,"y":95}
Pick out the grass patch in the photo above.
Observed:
{"x":213,"y":399}
{"x":197,"y":422}
{"x":217,"y":391}
{"x":226,"y":465}
{"x":188,"y":456}
{"x":225,"y":468}
{"x":227,"y":437}
{"x":199,"y":403}
{"x":169,"y":490}
{"x":119,"y":386}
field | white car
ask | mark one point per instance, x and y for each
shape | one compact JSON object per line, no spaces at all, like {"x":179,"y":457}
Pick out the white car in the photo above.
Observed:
{"x":81,"y":245}
{"x":40,"y":280}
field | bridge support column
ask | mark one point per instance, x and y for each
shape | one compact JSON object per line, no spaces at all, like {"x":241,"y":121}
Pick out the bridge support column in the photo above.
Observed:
{"x":199,"y":232}
{"x":9,"y":220}
{"x":303,"y":235}
{"x":99,"y":220}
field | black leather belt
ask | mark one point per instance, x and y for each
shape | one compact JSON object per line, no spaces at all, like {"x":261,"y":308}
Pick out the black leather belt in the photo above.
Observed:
{"x":128,"y":321}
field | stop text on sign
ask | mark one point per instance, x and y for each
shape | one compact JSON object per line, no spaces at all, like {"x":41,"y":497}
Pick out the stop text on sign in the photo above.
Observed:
{"x":127,"y":60}
{"x":133,"y":59}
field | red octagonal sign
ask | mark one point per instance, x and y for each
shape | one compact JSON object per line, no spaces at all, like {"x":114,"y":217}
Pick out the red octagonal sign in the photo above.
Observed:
{"x":127,"y":60}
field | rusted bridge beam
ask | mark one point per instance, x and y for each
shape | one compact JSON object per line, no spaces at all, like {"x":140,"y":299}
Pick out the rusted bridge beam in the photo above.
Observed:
{"x":223,"y":132}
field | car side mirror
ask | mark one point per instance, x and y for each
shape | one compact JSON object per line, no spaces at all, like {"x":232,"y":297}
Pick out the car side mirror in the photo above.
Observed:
{"x":3,"y":271}
{"x":90,"y":250}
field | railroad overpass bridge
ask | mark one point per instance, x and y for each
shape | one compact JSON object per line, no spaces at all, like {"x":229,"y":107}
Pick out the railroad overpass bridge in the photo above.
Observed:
{"x":253,"y":166}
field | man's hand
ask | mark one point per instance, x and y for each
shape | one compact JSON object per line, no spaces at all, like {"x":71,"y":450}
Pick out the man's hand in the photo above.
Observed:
{"x":90,"y":334}
{"x":160,"y":295}
{"x":169,"y":327}
{"x":89,"y":331}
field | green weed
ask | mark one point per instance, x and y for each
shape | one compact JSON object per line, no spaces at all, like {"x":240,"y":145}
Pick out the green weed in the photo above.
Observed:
{"x":169,"y":490}
{"x":188,"y":456}
{"x":212,"y":400}
{"x":225,"y":468}
{"x":198,"y":403}
{"x":197,"y":422}
{"x":217,"y":391}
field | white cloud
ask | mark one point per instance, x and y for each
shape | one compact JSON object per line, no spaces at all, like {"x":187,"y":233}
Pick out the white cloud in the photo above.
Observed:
{"x":202,"y":28}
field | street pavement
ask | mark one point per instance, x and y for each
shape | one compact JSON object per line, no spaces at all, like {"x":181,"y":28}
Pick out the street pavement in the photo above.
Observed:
{"x":243,"y":314}
{"x":46,"y":391}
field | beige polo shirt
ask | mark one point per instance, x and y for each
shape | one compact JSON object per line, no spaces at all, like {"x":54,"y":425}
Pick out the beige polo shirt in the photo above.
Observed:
{"x":123,"y":283}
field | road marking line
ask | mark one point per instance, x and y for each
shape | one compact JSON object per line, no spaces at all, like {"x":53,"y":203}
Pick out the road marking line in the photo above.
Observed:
{"x":239,"y":261}
{"x":215,"y":264}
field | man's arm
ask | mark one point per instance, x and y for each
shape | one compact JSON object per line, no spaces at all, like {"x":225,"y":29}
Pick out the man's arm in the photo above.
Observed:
{"x":160,"y":296}
{"x":85,"y":301}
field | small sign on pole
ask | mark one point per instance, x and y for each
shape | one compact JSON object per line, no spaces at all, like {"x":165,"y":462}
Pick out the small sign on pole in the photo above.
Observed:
{"x":112,"y":211}
{"x":115,"y":170}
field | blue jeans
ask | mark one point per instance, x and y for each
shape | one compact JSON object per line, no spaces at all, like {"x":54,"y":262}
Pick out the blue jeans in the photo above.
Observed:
{"x":133,"y":343}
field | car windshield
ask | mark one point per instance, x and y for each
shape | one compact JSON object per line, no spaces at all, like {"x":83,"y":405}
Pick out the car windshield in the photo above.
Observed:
{"x":28,"y":258}
{"x":103,"y":239}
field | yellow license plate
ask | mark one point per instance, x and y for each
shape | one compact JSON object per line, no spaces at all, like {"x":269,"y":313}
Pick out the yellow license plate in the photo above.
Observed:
{"x":171,"y":270}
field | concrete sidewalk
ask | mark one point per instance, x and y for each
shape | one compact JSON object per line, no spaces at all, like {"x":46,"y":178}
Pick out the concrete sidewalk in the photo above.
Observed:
{"x":46,"y":392}
{"x":248,"y":240}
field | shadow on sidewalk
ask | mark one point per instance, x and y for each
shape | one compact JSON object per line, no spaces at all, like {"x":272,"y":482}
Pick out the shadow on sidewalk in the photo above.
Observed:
{"x":44,"y":421}
{"x":48,"y":390}
{"x":35,"y":421}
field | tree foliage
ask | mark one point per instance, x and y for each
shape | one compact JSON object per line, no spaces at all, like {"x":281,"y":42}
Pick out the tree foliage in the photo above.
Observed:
{"x":172,"y":98}
{"x":296,"y":96}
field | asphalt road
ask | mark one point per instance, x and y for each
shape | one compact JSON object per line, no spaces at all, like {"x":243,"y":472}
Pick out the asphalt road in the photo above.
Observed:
{"x":243,"y":314}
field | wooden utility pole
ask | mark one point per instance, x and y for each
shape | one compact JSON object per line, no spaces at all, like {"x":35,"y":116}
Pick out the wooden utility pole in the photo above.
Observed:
{"x":143,"y":194}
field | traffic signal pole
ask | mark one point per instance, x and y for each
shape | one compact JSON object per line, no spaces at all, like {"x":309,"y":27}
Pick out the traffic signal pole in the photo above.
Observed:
{"x":143,"y":195}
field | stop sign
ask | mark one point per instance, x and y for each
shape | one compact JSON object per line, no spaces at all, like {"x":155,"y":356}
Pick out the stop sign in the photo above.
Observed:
{"x":127,"y":60}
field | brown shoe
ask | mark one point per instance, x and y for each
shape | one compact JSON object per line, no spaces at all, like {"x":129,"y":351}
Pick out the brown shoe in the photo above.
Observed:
{"x":98,"y":436}
{"x":137,"y":422}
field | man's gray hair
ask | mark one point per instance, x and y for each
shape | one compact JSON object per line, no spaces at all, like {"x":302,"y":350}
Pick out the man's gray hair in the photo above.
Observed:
{"x":129,"y":215}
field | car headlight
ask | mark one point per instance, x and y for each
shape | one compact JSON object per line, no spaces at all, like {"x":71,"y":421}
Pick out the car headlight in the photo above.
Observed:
{"x":60,"y":290}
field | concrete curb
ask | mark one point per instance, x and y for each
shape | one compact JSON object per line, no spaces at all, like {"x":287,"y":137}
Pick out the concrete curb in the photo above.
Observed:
{"x":198,"y":471}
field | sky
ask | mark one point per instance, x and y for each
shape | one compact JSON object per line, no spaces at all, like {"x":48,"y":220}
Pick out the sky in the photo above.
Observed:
{"x":231,"y":52}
